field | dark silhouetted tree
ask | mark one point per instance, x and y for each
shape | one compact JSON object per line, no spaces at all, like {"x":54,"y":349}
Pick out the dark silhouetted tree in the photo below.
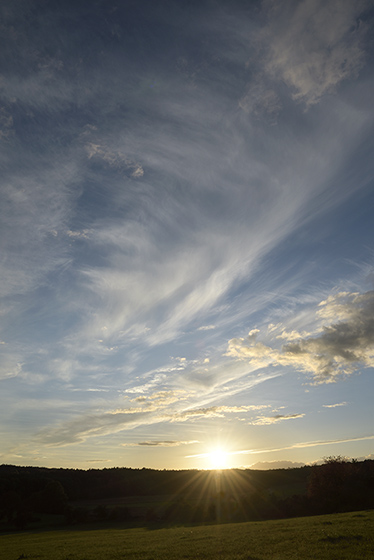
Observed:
{"x":328,"y":487}
{"x":53,"y":498}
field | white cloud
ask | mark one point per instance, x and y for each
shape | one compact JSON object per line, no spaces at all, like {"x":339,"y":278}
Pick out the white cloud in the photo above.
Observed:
{"x":342,"y":347}
{"x":242,"y":408}
{"x":137,"y":170}
{"x":249,"y":348}
{"x":336,"y":349}
{"x":266,"y":420}
{"x":114,"y":158}
{"x":78,"y":234}
{"x":10,"y":366}
{"x":314,"y":44}
{"x":292,"y":335}
{"x":210,"y":412}
{"x":214,"y":411}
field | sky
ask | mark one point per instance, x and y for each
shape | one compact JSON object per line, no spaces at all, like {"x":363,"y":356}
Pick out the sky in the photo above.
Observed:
{"x":187,"y":259}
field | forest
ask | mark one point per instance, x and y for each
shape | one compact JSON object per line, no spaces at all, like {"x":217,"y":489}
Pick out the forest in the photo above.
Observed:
{"x":146,"y":496}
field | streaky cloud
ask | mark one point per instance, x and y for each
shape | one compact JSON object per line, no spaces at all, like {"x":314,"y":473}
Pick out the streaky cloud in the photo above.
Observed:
{"x":303,"y":445}
{"x":162,"y":443}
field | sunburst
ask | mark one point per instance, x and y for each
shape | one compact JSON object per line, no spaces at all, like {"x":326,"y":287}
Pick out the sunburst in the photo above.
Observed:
{"x":218,"y":458}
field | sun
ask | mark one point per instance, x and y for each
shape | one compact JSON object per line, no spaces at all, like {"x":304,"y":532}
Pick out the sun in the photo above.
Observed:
{"x":218,"y":459}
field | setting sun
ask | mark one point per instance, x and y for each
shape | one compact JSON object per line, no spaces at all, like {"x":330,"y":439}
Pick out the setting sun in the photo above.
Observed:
{"x":218,"y":459}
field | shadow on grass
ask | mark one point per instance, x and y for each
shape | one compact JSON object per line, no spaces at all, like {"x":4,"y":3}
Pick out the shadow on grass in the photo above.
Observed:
{"x":340,"y":538}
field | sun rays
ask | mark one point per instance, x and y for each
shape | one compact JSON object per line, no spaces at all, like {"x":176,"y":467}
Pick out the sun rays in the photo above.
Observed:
{"x":213,"y":495}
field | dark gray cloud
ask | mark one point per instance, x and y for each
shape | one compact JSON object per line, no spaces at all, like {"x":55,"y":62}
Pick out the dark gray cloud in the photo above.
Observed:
{"x":341,"y":347}
{"x":165,"y":443}
{"x":337,"y":348}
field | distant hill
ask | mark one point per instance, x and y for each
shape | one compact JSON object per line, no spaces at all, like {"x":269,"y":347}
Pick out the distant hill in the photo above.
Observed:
{"x":185,"y":495}
{"x":121,"y":481}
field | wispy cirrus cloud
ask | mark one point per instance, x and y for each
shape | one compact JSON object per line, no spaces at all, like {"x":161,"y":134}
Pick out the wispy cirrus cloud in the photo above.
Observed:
{"x":148,"y":412}
{"x":90,"y":425}
{"x":300,"y":445}
{"x":10,"y":366}
{"x":306,"y":444}
{"x":6,"y":124}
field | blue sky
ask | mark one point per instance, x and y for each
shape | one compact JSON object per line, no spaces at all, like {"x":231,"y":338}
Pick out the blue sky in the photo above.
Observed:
{"x":186,"y":233}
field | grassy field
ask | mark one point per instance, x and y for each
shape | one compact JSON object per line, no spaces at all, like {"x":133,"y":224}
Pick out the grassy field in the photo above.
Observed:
{"x":348,"y":536}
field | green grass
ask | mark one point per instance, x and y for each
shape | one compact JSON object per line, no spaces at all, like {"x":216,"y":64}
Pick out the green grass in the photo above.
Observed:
{"x":348,"y":536}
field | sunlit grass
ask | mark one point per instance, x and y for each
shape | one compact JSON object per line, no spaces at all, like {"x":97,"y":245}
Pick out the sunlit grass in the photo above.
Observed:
{"x":346,"y":536}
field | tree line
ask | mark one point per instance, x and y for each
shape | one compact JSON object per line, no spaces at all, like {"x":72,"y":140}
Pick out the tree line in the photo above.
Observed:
{"x":185,"y":496}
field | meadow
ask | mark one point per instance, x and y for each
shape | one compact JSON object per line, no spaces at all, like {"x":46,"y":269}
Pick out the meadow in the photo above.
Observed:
{"x":346,"y":536}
